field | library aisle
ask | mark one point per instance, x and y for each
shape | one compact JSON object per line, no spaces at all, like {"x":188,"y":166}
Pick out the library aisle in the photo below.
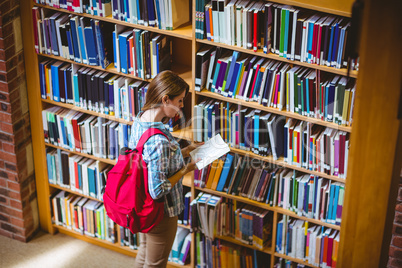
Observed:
{"x":60,"y":250}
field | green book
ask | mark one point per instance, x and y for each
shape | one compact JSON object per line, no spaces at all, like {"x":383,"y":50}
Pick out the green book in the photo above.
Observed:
{"x":282,"y":36}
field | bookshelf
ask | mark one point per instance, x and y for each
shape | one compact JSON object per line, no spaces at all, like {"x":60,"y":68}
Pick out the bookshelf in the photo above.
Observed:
{"x":368,"y":159}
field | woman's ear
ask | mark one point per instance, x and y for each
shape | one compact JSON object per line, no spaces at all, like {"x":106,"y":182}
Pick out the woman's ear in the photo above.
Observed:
{"x":165,"y":99}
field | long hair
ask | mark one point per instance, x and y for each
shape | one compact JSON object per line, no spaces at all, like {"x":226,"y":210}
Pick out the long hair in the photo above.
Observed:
{"x":164,"y":83}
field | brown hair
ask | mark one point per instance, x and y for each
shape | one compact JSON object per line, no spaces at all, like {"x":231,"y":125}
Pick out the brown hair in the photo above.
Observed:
{"x":164,"y":83}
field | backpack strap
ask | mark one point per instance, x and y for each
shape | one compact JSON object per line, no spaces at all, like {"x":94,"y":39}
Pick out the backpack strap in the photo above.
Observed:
{"x":146,"y":135}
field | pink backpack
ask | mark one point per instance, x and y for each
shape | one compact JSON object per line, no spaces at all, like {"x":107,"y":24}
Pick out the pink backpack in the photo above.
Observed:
{"x":126,"y":199}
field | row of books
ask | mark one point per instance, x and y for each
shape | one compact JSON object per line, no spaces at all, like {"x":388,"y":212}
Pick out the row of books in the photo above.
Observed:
{"x":79,"y":132}
{"x":180,"y":252}
{"x":128,"y":239}
{"x":283,"y":263}
{"x":82,"y":175}
{"x":225,"y":254}
{"x":217,"y":217}
{"x":307,"y":195}
{"x":92,"y":90}
{"x":83,"y":215}
{"x":80,"y":39}
{"x":316,"y":245}
{"x":141,"y":53}
{"x":163,"y":14}
{"x":292,"y":33}
{"x":275,"y":84}
{"x":301,"y":143}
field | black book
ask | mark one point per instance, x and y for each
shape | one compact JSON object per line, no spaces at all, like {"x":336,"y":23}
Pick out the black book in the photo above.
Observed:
{"x":244,"y":169}
{"x":62,"y":80}
{"x":290,"y":32}
{"x":90,"y":88}
{"x":64,"y":166}
{"x":242,"y":114}
{"x":267,"y":27}
{"x":96,"y":90}
{"x":69,"y":89}
{"x":103,"y":78}
{"x":298,"y":39}
{"x":278,"y":28}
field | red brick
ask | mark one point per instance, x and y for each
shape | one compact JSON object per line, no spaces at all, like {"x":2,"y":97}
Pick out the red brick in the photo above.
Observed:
{"x":19,"y":238}
{"x":6,"y":127}
{"x":3,"y":66}
{"x":397,"y":229}
{"x":395,"y":263}
{"x":3,"y":182}
{"x":397,"y":241}
{"x":8,"y":40}
{"x":4,"y":200}
{"x":9,"y":52}
{"x":11,"y":212}
{"x":395,"y":252}
{"x":13,"y":186}
{"x":10,"y":148}
{"x":17,"y":222}
{"x":7,"y":29}
{"x":14,"y":195}
{"x":5,"y":117}
{"x":16,"y":204}
{"x":4,"y":217}
{"x":5,"y":233}
{"x":1,"y":164}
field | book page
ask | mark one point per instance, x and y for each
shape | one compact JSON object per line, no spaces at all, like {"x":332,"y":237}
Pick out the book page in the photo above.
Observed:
{"x":210,"y":151}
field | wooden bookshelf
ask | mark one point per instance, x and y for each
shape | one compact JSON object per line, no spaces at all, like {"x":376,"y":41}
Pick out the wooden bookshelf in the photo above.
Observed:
{"x":267,"y":207}
{"x":254,"y":105}
{"x":278,"y":58}
{"x":286,"y":257}
{"x":374,"y":142}
{"x":237,"y":242}
{"x":73,"y":192}
{"x":183,"y":32}
{"x":182,"y":70}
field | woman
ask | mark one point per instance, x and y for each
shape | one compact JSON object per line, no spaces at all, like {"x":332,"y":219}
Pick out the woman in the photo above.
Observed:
{"x":164,"y":159}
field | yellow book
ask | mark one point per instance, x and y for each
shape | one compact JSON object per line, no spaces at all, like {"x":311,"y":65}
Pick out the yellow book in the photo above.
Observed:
{"x":224,"y":256}
{"x":237,"y":259}
{"x":273,"y":91}
{"x":210,"y":178}
{"x":345,"y":107}
{"x":48,"y":81}
{"x":287,"y":92}
{"x":230,"y":258}
{"x":217,"y":174}
{"x":238,"y":86}
{"x":221,"y":120}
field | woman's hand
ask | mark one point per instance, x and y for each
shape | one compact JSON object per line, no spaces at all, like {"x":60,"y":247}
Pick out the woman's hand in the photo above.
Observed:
{"x":191,"y":166}
{"x":186,"y":150}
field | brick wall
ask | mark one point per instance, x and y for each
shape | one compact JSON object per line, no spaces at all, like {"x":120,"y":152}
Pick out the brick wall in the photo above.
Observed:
{"x":395,"y":249}
{"x":18,"y":202}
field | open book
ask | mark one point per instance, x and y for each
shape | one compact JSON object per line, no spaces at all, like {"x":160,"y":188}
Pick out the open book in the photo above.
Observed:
{"x":210,"y":151}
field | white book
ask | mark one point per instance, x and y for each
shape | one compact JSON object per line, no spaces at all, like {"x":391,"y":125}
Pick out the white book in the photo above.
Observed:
{"x":210,"y":151}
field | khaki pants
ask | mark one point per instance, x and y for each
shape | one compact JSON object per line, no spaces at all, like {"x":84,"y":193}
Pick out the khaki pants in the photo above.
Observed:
{"x":156,"y":245}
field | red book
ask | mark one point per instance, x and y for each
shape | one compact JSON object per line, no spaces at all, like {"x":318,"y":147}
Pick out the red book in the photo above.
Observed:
{"x":318,"y":54}
{"x":131,"y":54}
{"x":77,"y":182}
{"x":255,"y":35}
{"x":132,"y":108}
{"x":255,"y":78}
{"x":329,"y":251}
{"x":76,"y":132}
{"x":314,"y":45}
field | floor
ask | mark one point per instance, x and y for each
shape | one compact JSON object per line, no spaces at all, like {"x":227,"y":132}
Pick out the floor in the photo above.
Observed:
{"x":56,"y":251}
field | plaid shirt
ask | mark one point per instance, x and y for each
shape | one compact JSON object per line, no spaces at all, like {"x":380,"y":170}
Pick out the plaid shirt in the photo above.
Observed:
{"x":164,"y":159}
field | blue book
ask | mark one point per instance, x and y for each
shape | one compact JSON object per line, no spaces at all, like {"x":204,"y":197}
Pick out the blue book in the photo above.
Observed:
{"x":235,"y":56}
{"x":331,"y":197}
{"x":335,"y":45}
{"x":158,"y":13}
{"x":49,"y":168}
{"x":225,"y":172}
{"x":234,"y":79}
{"x":123,"y":48}
{"x":115,"y":9}
{"x":138,"y":10}
{"x":82,"y":44}
{"x":216,"y":74}
{"x":121,"y":10}
{"x":111,"y":98}
{"x":279,"y":237}
{"x":70,"y":42}
{"x":335,"y":204}
{"x":125,"y":135}
{"x":76,"y":93}
{"x":53,"y":34}
{"x":91,"y":46}
{"x":310,"y":40}
{"x":95,"y":10}
{"x":79,"y":168}
{"x":151,"y":13}
{"x":307,"y":103}
{"x":42,"y":79}
{"x":330,"y":102}
{"x":256,"y":131}
{"x":95,"y":43}
{"x":257,"y":86}
{"x":126,"y":11}
{"x":114,"y":49}
{"x":74,"y":36}
{"x":210,"y":109}
{"x":91,"y":182}
{"x":55,"y":80}
{"x":331,"y":45}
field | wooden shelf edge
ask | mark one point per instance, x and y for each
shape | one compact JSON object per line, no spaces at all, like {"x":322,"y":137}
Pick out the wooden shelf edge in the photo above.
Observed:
{"x":272,"y":56}
{"x":73,"y":192}
{"x":254,"y":105}
{"x":107,"y":161}
{"x":237,"y":242}
{"x":268,"y":207}
{"x":182,"y":70}
{"x":184,"y":32}
{"x":283,"y":256}
{"x":106,"y":244}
